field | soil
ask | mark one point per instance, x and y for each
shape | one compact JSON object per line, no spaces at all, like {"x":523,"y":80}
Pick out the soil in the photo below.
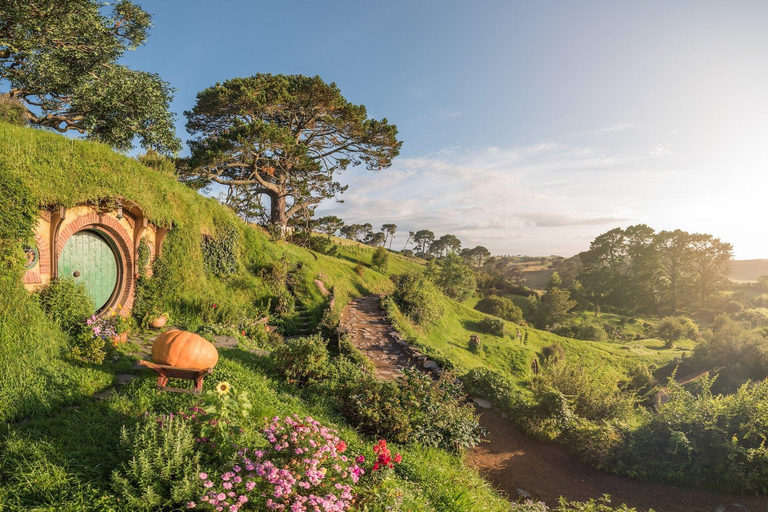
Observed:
{"x":513,"y":462}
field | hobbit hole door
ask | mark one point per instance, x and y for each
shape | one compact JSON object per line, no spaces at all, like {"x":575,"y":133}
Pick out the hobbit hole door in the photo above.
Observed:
{"x":88,"y":258}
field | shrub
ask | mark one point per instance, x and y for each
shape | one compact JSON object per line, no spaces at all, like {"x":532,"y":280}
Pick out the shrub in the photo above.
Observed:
{"x":501,"y":307}
{"x":592,"y":394}
{"x":673,"y":328}
{"x":757,"y":317}
{"x":733,"y":307}
{"x":492,"y":326}
{"x":553,"y":353}
{"x":380,"y":259}
{"x":285,"y":304}
{"x":412,"y":408}
{"x":417,"y":297}
{"x":67,"y":303}
{"x":495,"y":387}
{"x":162,"y":466}
{"x":759,"y":301}
{"x":220,"y":251}
{"x":591,"y":331}
{"x":12,"y":111}
{"x":302,"y":360}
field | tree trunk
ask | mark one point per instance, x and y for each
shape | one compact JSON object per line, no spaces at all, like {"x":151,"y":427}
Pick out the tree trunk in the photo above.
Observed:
{"x":278,"y":212}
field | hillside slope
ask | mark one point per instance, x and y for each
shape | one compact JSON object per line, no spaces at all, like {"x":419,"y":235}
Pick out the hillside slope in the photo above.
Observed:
{"x":747,"y":270}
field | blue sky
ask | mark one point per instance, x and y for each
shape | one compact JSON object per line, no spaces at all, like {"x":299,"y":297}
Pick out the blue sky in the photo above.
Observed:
{"x":528,"y":127}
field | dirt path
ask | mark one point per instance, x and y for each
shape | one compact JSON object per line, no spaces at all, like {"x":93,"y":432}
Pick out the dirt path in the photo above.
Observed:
{"x":512,"y":462}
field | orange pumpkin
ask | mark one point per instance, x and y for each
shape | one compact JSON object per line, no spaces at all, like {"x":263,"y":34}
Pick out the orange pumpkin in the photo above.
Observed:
{"x":184,"y":350}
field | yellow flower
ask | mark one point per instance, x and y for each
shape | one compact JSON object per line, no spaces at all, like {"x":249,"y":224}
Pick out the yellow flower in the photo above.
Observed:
{"x":223,"y":388}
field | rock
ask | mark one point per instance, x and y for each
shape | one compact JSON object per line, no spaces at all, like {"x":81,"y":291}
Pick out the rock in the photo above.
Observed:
{"x":223,"y":341}
{"x":740,"y":507}
{"x":485,"y":404}
{"x":720,"y":508}
{"x":124,"y":378}
{"x":104,"y":394}
{"x":523,"y":494}
{"x":504,"y":414}
{"x":429,"y":364}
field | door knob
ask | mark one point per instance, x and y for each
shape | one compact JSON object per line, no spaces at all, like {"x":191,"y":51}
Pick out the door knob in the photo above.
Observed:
{"x":76,"y":273}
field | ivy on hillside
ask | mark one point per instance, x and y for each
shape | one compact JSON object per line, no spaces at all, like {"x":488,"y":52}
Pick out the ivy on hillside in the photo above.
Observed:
{"x":220,"y":251}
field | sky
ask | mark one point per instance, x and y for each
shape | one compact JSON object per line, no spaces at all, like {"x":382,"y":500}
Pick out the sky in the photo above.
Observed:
{"x":527,"y":127}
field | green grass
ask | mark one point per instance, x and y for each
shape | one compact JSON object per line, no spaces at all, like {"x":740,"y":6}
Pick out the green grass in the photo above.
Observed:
{"x":65,"y":461}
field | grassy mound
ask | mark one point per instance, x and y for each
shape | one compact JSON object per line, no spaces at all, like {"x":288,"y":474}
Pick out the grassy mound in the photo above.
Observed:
{"x":40,"y":169}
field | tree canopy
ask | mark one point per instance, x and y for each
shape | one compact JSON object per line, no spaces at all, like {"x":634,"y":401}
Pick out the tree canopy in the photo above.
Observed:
{"x":285,"y":137}
{"x":638,"y":269}
{"x":59,"y":59}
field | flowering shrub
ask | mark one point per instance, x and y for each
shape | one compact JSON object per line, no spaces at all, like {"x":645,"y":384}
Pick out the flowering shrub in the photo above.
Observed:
{"x":303,"y":469}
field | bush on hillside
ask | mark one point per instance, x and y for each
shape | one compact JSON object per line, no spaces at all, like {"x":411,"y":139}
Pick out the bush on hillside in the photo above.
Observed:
{"x":302,"y":360}
{"x":592,"y":394}
{"x":733,"y":307}
{"x":417,"y":297}
{"x":674,"y":328}
{"x":413,"y":408}
{"x":759,"y":301}
{"x":590,"y":331}
{"x":691,"y":435}
{"x":494,"y":387}
{"x":68,"y":304}
{"x":162,"y":465}
{"x":221,"y":250}
{"x":494,"y":326}
{"x":501,"y":307}
{"x":12,"y":111}
{"x":380,"y":259}
{"x":756,"y":317}
{"x":553,"y":353}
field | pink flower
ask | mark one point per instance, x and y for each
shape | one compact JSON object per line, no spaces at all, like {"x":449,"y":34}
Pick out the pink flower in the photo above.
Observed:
{"x":203,"y":476}
{"x":191,"y":504}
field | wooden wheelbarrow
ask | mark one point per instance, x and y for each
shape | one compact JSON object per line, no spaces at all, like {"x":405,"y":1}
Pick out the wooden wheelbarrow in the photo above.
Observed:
{"x":164,"y":372}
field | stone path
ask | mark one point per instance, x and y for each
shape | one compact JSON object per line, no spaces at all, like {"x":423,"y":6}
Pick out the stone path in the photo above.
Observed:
{"x":370,"y":331}
{"x":517,"y":464}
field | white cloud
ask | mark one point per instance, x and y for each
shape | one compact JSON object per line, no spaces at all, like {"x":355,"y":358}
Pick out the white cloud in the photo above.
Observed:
{"x":661,"y":150}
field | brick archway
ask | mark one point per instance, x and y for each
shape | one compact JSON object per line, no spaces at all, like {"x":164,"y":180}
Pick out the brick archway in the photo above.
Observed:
{"x":110,"y":227}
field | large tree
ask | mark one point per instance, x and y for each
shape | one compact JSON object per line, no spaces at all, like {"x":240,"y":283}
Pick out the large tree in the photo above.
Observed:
{"x":59,"y":60}
{"x":285,"y":137}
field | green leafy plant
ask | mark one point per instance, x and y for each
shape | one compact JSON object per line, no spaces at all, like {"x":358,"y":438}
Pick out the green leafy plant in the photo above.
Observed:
{"x":224,"y":414}
{"x":162,"y":465}
{"x":221,"y":250}
{"x":302,"y":360}
{"x":67,"y":303}
{"x":417,"y":297}
{"x":501,"y":307}
{"x":493,"y":326}
{"x":380,"y":259}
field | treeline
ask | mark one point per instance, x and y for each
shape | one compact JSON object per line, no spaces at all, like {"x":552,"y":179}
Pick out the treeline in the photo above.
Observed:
{"x":639,"y":270}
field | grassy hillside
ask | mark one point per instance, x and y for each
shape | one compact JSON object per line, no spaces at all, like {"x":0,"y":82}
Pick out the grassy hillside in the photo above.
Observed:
{"x":449,"y":336}
{"x":43,"y":169}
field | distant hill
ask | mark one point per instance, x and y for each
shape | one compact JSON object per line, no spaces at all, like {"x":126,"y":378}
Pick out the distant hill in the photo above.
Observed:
{"x":748,"y":270}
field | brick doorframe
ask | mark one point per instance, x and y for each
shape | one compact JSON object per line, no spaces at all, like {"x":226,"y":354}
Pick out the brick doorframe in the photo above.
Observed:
{"x":126,"y":286}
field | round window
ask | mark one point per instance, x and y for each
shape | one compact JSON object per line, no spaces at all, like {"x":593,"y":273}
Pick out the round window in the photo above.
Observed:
{"x":32,"y":254}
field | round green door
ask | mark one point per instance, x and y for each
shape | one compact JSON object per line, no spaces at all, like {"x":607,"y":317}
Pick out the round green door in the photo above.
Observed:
{"x":89,"y":259}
